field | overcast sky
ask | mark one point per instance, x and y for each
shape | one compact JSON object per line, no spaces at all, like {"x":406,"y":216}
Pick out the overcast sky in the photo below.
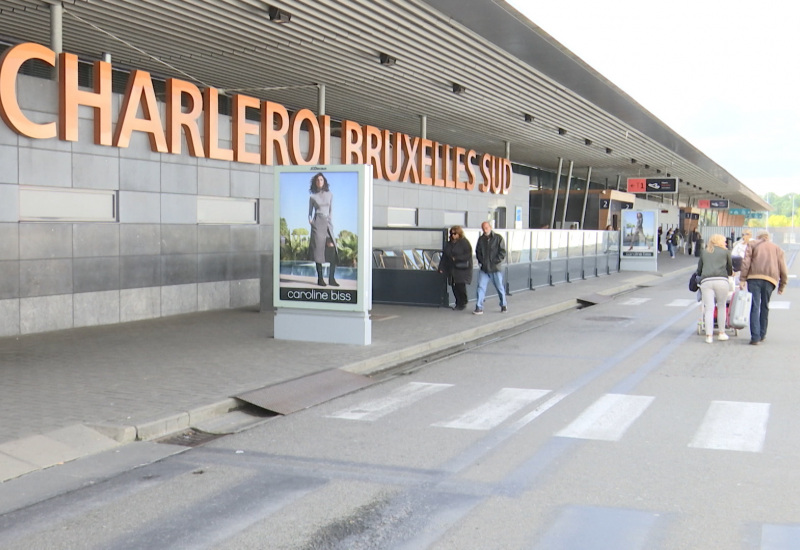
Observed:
{"x":724,"y":75}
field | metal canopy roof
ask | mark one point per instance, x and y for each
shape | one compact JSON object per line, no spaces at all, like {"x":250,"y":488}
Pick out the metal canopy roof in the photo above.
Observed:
{"x":508,"y":66}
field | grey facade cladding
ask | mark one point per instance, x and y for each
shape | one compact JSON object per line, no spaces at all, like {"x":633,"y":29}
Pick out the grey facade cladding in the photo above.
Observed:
{"x":156,"y":260}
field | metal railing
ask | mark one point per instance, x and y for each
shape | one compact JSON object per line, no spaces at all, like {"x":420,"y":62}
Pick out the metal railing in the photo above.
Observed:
{"x":405,"y":261}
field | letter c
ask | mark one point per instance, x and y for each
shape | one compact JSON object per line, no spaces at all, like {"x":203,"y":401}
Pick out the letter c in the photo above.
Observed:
{"x":10,"y":64}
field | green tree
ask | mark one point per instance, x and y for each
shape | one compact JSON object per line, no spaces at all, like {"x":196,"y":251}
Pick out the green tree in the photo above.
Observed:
{"x":347,"y":244}
{"x":779,"y":220}
{"x":294,"y":246}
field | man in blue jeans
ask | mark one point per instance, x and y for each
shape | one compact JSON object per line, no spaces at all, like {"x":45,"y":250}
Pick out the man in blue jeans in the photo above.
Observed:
{"x":763,"y":268}
{"x":490,"y":252}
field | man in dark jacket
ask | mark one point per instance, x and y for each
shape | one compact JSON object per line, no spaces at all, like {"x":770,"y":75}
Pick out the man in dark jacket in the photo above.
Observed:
{"x":763,"y":269}
{"x":490,"y":252}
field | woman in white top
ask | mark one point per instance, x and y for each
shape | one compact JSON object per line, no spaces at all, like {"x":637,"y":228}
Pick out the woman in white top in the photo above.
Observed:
{"x":737,"y":254}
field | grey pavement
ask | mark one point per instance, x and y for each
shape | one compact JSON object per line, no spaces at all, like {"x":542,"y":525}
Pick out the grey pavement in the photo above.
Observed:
{"x":77,"y":392}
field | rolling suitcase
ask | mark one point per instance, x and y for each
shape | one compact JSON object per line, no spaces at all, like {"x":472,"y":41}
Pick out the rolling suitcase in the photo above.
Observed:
{"x":740,"y":309}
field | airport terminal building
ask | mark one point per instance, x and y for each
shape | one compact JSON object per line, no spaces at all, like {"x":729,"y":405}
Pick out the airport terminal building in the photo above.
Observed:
{"x":139,"y":144}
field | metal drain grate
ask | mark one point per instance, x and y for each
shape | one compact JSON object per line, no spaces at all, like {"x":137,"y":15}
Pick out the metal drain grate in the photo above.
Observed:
{"x":608,"y":318}
{"x":189,"y":438}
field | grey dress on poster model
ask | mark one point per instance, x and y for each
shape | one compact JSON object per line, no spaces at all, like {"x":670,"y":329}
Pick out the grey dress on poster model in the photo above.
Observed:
{"x":322,"y":245}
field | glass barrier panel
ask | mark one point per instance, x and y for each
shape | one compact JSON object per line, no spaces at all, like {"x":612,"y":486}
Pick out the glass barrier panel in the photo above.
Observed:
{"x":519,"y":246}
{"x":560,"y":243}
{"x":575,"y":244}
{"x":611,"y":242}
{"x":590,"y":242}
{"x":540,"y":242}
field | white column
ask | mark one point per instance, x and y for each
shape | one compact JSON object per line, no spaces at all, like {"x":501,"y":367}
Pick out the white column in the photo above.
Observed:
{"x":320,"y":99}
{"x":56,"y":32}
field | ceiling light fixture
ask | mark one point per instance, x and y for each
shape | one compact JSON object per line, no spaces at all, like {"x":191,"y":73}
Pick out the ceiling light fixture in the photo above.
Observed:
{"x":387,"y":59}
{"x":528,"y":118}
{"x":587,"y":141}
{"x":277,"y":15}
{"x":562,"y":132}
{"x":458,"y":88}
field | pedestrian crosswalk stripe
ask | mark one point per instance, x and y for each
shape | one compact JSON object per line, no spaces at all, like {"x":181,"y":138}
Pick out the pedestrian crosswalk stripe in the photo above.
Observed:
{"x":498,"y":408}
{"x":608,"y":418}
{"x":401,"y":397}
{"x":683,"y":302}
{"x":733,"y":426}
{"x":634,"y":301}
{"x":599,"y":529}
{"x":780,"y":537}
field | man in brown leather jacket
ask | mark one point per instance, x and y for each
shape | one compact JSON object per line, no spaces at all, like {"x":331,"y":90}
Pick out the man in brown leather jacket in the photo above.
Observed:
{"x":763,"y":268}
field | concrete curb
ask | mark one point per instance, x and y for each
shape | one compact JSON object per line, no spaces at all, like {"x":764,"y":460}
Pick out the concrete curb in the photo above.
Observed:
{"x":38,"y":452}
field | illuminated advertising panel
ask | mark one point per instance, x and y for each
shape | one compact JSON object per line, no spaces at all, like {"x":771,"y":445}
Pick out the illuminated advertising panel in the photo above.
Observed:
{"x":323,"y":237}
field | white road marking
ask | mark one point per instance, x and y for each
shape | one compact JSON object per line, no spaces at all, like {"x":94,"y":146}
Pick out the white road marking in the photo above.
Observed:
{"x":608,"y":418}
{"x":399,"y":398}
{"x":773,"y":304}
{"x":683,"y":302}
{"x":733,"y":426}
{"x":780,"y":537}
{"x":497,"y":409}
{"x":634,"y":301}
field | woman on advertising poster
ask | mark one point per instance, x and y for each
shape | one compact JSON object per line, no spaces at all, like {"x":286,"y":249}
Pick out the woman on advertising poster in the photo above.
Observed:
{"x":638,"y":233}
{"x":322,"y":246}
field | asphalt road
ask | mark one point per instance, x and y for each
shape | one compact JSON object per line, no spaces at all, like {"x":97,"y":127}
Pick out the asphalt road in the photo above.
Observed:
{"x":611,"y":427}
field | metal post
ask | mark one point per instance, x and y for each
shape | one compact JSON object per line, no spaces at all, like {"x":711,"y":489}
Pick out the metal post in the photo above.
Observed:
{"x":320,"y":99}
{"x":619,"y":179}
{"x":56,"y":32}
{"x":423,"y":126}
{"x":566,"y":195}
{"x":555,"y":193}
{"x":586,"y":197}
{"x":508,"y":149}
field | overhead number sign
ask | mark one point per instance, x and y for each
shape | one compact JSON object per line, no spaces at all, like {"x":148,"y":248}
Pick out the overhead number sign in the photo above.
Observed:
{"x":652,"y":185}
{"x":713,"y":203}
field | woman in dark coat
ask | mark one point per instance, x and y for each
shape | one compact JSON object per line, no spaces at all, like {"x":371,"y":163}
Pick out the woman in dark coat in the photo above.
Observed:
{"x":456,"y":263}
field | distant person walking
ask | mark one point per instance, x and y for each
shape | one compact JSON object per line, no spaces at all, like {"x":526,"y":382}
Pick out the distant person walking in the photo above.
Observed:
{"x":763,"y":268}
{"x":672,"y":240}
{"x":737,"y":253}
{"x":713,"y":269}
{"x":456,"y":263}
{"x":490,"y":252}
{"x":696,"y":242}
